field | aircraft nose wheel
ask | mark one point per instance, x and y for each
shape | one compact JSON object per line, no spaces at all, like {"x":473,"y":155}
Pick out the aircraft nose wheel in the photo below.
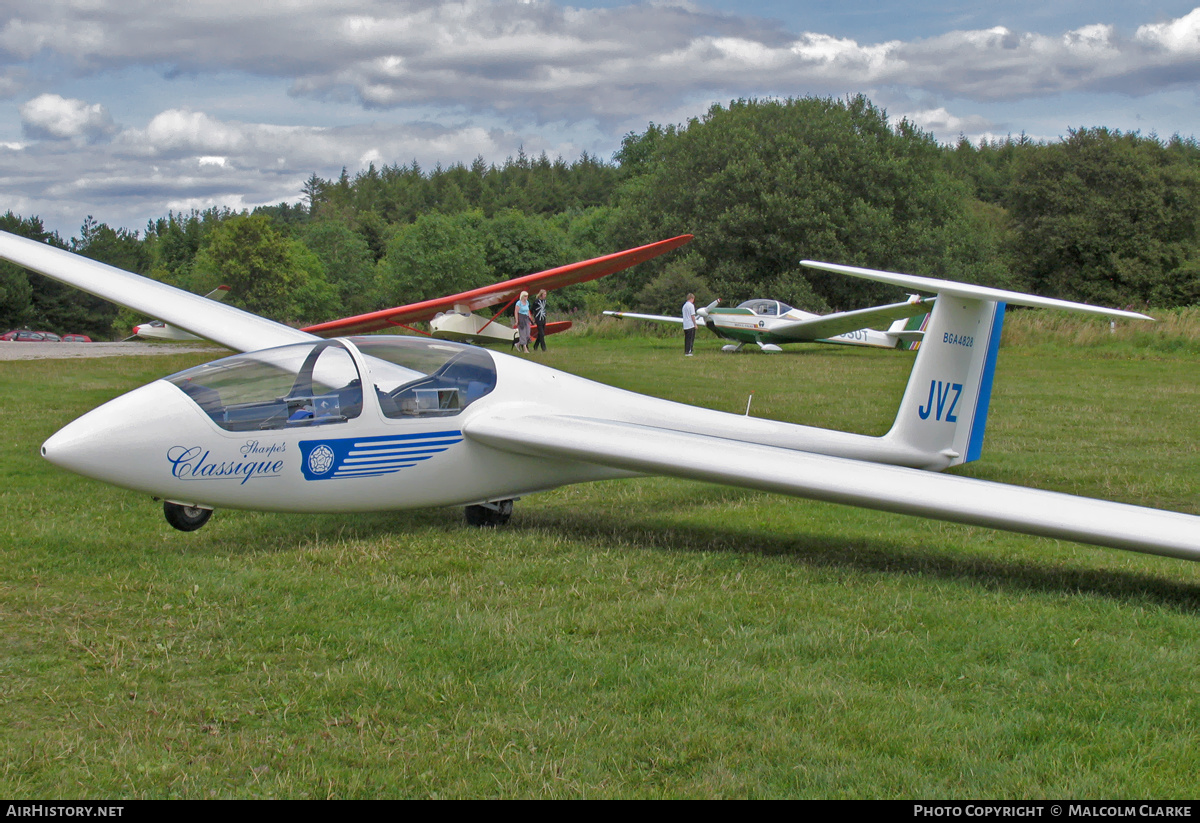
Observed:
{"x":489,"y":515}
{"x":186,"y":518}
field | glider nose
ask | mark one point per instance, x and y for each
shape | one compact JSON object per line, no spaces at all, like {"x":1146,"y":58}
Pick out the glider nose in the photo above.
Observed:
{"x":110,"y":443}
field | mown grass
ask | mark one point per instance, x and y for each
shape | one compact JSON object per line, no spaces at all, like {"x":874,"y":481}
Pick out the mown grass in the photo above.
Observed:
{"x":643,"y":638}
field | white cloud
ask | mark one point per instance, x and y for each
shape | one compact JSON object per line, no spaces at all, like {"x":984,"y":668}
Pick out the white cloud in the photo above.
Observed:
{"x":515,"y":57}
{"x":940,"y":121}
{"x":387,"y":81}
{"x":178,"y":131}
{"x":184,"y":159}
{"x":1179,"y":36}
{"x":51,"y":117}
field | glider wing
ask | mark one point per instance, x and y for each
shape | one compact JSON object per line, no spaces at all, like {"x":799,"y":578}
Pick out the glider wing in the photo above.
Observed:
{"x":237,"y":329}
{"x":831,"y":325}
{"x":664,"y":451}
{"x":498,"y":292}
{"x":658,"y":318}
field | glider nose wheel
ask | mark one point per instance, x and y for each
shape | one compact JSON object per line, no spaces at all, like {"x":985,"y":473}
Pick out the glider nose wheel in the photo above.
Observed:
{"x":489,"y":515}
{"x":186,"y":518}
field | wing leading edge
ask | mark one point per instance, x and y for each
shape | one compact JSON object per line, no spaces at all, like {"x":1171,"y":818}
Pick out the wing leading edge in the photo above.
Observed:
{"x":658,"y":318}
{"x":499,"y":292}
{"x":659,"y":451}
{"x":237,"y":329}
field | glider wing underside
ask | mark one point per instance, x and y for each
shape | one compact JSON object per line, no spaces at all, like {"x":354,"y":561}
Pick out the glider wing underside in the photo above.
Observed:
{"x":498,"y":292}
{"x":664,"y":451}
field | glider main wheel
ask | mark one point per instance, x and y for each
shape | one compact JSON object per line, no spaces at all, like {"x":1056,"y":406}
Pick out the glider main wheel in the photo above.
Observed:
{"x":186,"y":518}
{"x":489,"y":515}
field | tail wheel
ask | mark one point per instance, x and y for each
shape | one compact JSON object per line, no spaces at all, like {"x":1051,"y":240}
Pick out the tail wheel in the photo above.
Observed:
{"x":185,"y":518}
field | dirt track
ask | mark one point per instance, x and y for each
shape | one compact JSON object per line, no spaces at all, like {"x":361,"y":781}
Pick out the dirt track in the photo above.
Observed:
{"x":55,"y":351}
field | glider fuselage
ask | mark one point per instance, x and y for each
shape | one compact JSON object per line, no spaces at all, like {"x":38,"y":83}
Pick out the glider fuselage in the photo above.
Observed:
{"x":157,"y":330}
{"x":274,"y":439}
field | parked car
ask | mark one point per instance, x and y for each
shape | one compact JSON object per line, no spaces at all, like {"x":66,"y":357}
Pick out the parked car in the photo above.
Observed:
{"x":50,"y":337}
{"x":23,"y":336}
{"x":76,"y":338}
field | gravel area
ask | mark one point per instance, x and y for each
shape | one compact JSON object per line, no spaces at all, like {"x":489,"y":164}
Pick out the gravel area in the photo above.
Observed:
{"x":55,"y":351}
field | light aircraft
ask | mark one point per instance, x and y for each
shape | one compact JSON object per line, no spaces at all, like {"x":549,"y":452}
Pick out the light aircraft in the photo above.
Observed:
{"x":158,"y":330}
{"x":297,"y":423}
{"x":453,"y":318}
{"x":768,"y":323}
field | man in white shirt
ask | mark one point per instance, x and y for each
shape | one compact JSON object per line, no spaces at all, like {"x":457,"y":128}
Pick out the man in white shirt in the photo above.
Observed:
{"x":689,"y":324}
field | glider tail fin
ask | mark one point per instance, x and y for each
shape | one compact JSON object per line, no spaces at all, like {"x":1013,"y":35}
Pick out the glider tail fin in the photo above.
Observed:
{"x":944,"y":410}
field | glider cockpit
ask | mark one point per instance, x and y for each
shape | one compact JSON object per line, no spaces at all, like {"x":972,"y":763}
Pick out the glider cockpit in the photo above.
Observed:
{"x":321,"y":382}
{"x":766,"y":308}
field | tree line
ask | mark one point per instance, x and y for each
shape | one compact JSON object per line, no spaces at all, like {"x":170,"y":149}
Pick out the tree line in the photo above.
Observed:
{"x":1100,"y":216}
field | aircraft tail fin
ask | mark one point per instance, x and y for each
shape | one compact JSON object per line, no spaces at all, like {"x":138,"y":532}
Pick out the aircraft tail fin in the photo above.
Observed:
{"x":945,"y":405}
{"x":943,"y":415}
{"x":909,"y":331}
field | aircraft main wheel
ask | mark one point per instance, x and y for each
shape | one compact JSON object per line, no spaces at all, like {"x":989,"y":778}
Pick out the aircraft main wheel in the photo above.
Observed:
{"x":489,"y":515}
{"x":186,"y":518}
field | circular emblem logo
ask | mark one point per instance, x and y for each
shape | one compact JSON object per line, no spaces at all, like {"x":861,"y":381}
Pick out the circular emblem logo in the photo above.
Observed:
{"x":320,"y":460}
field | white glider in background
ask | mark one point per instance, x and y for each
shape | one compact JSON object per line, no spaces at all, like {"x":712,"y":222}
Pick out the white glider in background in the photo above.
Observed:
{"x":158,"y":330}
{"x":769,"y":324}
{"x":381,"y":423}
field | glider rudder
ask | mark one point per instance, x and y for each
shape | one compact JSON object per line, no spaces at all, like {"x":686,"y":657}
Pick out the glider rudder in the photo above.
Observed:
{"x":944,"y":410}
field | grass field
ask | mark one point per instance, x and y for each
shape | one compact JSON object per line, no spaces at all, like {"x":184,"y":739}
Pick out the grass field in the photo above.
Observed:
{"x":641,"y":638}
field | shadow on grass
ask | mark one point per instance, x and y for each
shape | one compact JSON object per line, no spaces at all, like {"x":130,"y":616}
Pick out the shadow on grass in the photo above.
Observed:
{"x":878,"y":556}
{"x":894,"y":558}
{"x":645,"y":528}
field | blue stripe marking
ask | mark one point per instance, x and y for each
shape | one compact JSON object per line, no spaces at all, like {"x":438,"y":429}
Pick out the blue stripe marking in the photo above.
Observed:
{"x":979,"y":422}
{"x":371,"y":456}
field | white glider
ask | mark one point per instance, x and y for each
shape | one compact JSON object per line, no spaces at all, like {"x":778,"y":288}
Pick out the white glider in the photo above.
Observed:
{"x":770,"y":323}
{"x":379,"y":423}
{"x":158,"y":330}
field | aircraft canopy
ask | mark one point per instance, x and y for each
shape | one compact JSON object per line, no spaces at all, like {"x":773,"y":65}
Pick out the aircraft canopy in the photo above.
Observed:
{"x":319,"y":382}
{"x":765,"y":307}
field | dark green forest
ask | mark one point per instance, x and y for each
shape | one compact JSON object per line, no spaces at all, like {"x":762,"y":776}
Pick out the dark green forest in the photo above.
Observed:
{"x":1100,"y":216}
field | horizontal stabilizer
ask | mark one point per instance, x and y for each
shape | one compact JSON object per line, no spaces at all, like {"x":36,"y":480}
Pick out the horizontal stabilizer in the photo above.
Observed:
{"x":968,"y":290}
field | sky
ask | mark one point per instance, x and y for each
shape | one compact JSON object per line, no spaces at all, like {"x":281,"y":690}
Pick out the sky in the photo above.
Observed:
{"x":128,"y":110}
